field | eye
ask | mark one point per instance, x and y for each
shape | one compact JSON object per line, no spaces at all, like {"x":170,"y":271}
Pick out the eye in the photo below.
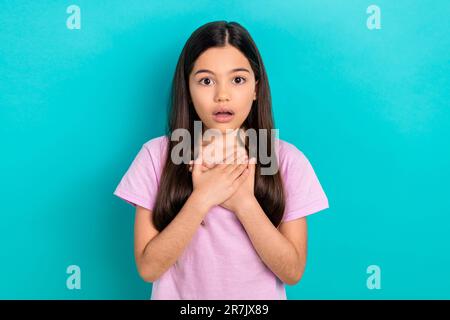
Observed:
{"x":201,"y":80}
{"x":241,"y":80}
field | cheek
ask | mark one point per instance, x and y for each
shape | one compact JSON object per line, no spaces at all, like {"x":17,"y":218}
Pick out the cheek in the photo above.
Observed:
{"x":245,"y":102}
{"x":200,"y":100}
{"x":245,"y":96}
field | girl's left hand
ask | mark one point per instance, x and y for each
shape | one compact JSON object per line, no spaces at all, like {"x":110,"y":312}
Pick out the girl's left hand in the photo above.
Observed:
{"x":245,"y":192}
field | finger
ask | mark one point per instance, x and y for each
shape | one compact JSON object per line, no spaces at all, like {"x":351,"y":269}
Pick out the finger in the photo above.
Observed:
{"x":242,"y":159}
{"x":237,"y":182}
{"x":209,"y":165}
{"x":242,"y":152}
{"x":227,"y":161}
{"x":239,"y":168}
{"x":204,"y":167}
{"x":238,"y":150}
{"x":230,"y":158}
{"x":197,"y":164}
{"x":236,"y":168}
{"x":252,"y":163}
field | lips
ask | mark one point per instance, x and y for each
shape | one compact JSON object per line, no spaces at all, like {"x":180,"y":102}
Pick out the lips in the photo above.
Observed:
{"x":223,"y":114}
{"x":223,"y":111}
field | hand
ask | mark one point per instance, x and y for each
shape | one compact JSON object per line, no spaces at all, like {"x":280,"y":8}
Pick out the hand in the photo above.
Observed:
{"x":219,"y":183}
{"x":209,"y":156}
{"x":245,"y":192}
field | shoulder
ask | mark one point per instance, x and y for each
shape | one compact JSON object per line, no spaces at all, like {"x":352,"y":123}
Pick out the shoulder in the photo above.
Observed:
{"x":289,"y":154}
{"x":292,"y":162}
{"x":303,"y":190}
{"x":156,"y":144}
{"x":156,"y":147}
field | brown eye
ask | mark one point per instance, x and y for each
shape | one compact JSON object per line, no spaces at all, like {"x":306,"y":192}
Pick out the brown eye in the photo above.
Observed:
{"x":241,"y":81}
{"x":201,"y":81}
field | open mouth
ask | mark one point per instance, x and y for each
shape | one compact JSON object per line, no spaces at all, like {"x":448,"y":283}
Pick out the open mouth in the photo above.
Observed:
{"x":223,"y":113}
{"x":223,"y":116}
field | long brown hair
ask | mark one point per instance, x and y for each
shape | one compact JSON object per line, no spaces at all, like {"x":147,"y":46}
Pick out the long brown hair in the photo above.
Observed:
{"x":176,"y":181}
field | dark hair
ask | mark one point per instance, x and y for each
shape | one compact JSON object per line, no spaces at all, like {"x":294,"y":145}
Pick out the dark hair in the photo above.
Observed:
{"x":176,"y":181}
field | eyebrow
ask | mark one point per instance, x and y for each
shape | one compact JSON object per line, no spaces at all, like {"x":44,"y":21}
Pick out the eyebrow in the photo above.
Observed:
{"x":209,"y":71}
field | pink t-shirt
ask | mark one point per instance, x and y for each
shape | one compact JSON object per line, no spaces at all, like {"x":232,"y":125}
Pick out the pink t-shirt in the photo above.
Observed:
{"x":220,"y":262}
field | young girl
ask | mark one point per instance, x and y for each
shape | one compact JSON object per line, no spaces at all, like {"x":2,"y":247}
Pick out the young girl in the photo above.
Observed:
{"x":220,"y":230}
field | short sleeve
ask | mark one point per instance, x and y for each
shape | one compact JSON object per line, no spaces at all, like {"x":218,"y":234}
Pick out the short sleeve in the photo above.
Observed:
{"x":303,"y":192}
{"x":139,"y":185}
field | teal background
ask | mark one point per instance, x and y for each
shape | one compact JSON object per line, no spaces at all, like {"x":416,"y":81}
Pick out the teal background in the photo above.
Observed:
{"x":369,"y":108}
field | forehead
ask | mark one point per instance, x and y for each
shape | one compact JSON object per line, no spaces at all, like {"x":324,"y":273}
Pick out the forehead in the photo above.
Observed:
{"x":221,"y":59}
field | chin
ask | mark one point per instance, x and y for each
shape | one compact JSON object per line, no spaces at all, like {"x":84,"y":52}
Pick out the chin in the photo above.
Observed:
{"x":223,"y":127}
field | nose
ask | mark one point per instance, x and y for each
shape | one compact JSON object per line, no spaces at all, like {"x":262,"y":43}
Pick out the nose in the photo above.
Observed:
{"x":222,"y":93}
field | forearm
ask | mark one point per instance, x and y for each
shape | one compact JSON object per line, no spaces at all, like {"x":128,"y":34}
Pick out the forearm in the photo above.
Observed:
{"x":274,"y":249}
{"x":164,"y":249}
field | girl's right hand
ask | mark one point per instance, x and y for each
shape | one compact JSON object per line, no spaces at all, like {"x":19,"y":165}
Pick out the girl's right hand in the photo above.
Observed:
{"x":217,"y":184}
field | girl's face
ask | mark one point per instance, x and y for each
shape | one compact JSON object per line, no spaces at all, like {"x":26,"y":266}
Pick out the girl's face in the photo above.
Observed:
{"x":222,"y":79}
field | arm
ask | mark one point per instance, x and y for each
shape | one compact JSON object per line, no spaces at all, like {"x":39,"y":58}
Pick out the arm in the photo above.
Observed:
{"x":156,"y":252}
{"x":284,"y":257}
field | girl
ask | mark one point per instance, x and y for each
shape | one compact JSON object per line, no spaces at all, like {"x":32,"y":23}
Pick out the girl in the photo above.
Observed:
{"x":220,"y":230}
